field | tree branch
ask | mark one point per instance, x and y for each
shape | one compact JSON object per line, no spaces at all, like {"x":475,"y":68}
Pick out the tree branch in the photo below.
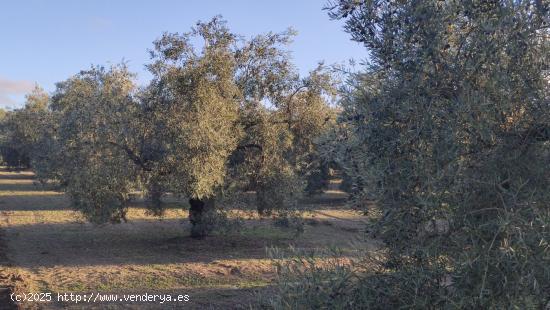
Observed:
{"x":132,"y":156}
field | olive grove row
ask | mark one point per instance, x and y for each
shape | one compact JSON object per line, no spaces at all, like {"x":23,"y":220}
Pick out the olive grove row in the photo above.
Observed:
{"x":222,"y":115}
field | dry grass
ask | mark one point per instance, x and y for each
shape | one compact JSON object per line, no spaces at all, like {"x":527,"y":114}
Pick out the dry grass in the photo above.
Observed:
{"x":54,"y":250}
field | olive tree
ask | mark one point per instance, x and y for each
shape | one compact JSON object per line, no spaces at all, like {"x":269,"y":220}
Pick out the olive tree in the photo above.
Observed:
{"x":236,"y":115}
{"x":283,"y":139}
{"x":21,"y":130}
{"x":194,"y":103}
{"x":90,"y":114}
{"x":450,"y":138}
{"x":446,"y":132}
{"x":221,"y":115}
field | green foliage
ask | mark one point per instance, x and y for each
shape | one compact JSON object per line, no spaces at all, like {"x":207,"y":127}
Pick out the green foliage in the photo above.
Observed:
{"x":305,"y":290}
{"x":330,"y":280}
{"x":277,"y":191}
{"x":317,"y":179}
{"x":447,"y":131}
{"x":21,"y":130}
{"x":90,"y":114}
{"x":321,"y":279}
{"x":195,"y":103}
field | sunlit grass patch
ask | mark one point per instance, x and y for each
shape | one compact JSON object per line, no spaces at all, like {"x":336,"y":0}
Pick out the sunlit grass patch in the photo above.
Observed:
{"x":226,"y":273}
{"x":29,"y":193}
{"x":43,"y":217}
{"x":141,"y":213}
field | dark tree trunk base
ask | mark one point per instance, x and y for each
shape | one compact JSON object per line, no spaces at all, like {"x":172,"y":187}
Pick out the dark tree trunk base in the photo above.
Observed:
{"x":200,"y":216}
{"x":155,"y":200}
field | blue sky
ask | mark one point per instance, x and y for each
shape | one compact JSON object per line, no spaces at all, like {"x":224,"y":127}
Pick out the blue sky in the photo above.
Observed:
{"x":48,"y":41}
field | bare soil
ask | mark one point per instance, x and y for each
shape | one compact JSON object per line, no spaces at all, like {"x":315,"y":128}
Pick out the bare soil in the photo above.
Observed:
{"x":47,"y":247}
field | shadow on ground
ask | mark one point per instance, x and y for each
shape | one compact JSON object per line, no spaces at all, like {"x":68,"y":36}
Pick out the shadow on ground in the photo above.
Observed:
{"x":155,"y":242}
{"x":55,"y":250}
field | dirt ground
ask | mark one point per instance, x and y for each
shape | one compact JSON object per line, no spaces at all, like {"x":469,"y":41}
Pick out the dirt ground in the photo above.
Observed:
{"x":45,"y":247}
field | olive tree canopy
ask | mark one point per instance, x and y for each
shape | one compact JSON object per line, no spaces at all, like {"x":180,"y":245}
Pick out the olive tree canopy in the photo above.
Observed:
{"x":447,"y":132}
{"x":21,"y":129}
{"x":221,"y":114}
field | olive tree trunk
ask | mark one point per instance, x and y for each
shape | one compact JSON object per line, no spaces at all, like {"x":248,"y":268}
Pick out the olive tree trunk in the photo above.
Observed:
{"x":201,"y":216}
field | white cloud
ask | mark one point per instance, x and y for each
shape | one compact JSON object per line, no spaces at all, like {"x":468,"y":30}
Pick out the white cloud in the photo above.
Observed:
{"x":10,"y":89}
{"x":15,"y":87}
